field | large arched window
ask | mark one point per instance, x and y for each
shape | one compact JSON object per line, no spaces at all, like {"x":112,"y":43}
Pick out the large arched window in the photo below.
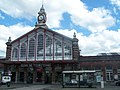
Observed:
{"x":40,"y":49}
{"x":15,"y":54}
{"x":67,"y":51}
{"x":57,"y":50}
{"x":23,"y":51}
{"x":31,"y":52}
{"x":49,"y":46}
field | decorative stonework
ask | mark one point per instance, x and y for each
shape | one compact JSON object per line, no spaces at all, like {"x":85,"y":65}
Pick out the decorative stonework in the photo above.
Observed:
{"x":8,"y":49}
{"x":75,"y":48}
{"x":41,"y":18}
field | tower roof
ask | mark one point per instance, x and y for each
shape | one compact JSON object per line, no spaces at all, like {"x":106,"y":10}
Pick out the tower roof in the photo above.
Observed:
{"x":74,"y":38}
{"x":42,"y":10}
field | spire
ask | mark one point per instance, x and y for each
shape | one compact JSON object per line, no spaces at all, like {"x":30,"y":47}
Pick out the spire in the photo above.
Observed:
{"x":74,"y":36}
{"x":9,"y":40}
{"x":42,"y":10}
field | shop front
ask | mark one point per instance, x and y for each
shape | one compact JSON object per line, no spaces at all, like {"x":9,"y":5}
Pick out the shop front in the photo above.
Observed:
{"x":47,"y":73}
{"x":78,"y":78}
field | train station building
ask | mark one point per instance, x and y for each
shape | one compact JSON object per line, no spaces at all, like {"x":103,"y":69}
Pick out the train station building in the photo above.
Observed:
{"x":41,"y":55}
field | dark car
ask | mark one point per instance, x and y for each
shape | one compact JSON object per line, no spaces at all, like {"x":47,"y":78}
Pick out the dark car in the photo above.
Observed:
{"x":86,"y":83}
{"x":81,"y":83}
{"x":117,"y":83}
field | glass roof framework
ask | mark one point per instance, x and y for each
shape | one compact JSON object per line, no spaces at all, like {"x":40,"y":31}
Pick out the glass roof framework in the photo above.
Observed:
{"x":41,"y":45}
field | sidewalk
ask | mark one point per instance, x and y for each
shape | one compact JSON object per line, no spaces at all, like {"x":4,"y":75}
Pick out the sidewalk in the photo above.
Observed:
{"x":54,"y":87}
{"x":98,"y":87}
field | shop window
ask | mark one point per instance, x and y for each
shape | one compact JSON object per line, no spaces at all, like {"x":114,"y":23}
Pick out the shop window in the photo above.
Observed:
{"x":118,"y":71}
{"x":109,"y":73}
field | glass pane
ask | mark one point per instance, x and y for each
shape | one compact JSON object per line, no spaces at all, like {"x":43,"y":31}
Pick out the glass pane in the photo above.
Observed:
{"x":57,"y":50}
{"x":67,"y":51}
{"x":23,"y":51}
{"x":49,"y":48}
{"x":40,"y":49}
{"x":31,"y":49}
{"x":15,"y":54}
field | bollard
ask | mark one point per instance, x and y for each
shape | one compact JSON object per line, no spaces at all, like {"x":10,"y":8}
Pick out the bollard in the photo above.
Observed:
{"x":102,"y":84}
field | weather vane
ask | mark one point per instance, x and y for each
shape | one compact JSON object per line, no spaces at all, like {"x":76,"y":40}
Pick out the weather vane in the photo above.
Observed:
{"x":42,"y":2}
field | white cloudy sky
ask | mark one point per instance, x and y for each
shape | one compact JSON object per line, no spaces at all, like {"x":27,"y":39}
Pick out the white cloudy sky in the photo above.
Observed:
{"x":95,"y":22}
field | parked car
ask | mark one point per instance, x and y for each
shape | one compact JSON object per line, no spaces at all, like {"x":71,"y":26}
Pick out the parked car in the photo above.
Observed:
{"x":88,"y":83}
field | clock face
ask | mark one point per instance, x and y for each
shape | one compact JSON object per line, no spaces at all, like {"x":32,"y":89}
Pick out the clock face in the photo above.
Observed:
{"x":41,"y":17}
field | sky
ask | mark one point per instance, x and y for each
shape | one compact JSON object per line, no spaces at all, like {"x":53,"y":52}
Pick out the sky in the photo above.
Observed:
{"x":95,"y":22}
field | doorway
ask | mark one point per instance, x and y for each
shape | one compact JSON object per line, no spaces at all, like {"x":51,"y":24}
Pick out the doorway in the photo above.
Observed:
{"x":13,"y":76}
{"x":48,"y":78}
{"x":30,"y":77}
{"x":21,"y":76}
{"x":39,"y":77}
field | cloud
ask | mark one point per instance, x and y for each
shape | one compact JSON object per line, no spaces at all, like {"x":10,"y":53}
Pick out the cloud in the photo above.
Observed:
{"x":13,"y":31}
{"x":105,"y":41}
{"x":80,"y":15}
{"x":26,"y":9}
{"x":97,"y":21}
{"x":55,"y":9}
{"x":116,"y":3}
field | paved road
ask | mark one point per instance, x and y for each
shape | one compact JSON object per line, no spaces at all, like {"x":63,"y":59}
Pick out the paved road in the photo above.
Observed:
{"x":24,"y":87}
{"x":54,"y":87}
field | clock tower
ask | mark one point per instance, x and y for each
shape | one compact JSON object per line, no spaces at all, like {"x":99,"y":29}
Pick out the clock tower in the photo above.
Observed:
{"x":41,"y":18}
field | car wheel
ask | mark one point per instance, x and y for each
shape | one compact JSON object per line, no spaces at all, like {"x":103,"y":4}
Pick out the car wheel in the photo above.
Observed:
{"x":90,"y":86}
{"x":118,"y":84}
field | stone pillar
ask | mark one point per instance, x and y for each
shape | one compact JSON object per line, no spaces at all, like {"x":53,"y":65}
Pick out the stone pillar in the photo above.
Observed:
{"x":104,"y":72}
{"x":53,"y":74}
{"x":25,"y":75}
{"x":43,"y":75}
{"x":75,"y":48}
{"x":34,"y":75}
{"x":17,"y":76}
{"x":115,"y":74}
{"x":8,"y":49}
